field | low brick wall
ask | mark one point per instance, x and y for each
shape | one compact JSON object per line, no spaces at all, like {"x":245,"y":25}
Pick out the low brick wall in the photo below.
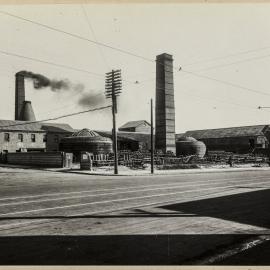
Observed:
{"x":41,"y":159}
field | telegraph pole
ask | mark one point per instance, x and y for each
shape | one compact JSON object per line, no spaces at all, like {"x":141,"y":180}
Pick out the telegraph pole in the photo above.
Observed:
{"x":113,"y":88}
{"x":152,"y":139}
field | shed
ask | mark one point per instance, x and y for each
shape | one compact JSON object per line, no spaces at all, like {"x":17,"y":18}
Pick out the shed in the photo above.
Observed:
{"x":136,"y":126}
{"x":233,"y":139}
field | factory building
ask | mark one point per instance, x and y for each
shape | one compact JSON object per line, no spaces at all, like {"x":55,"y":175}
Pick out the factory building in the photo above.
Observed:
{"x":246,"y":139}
{"x":21,"y":136}
{"x":17,"y":136}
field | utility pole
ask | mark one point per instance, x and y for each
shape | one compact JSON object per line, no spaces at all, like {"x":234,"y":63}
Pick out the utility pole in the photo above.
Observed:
{"x":113,"y":88}
{"x":152,"y":139}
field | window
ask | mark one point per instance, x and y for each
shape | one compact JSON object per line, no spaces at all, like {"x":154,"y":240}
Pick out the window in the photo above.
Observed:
{"x":251,"y":143}
{"x":45,"y":138}
{"x":56,"y":138}
{"x":20,"y":137}
{"x":33,"y":137}
{"x":6,"y":137}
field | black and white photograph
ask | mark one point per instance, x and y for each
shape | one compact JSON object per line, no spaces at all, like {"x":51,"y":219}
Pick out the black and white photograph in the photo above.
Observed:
{"x":135,"y":133}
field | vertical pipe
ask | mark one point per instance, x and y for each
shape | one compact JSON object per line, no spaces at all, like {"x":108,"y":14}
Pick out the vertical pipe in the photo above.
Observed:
{"x":152,"y":139}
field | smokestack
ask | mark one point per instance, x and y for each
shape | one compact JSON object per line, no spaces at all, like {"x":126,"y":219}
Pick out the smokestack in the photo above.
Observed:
{"x":28,"y":113}
{"x":19,"y":95}
{"x":23,"y":108}
{"x":165,"y":111}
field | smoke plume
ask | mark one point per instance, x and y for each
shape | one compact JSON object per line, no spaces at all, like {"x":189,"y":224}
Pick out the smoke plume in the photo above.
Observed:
{"x":86,"y":98}
{"x":41,"y":81}
{"x":91,"y":99}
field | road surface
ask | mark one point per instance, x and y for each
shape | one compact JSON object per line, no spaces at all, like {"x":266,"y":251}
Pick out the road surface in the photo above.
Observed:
{"x":51,"y":218}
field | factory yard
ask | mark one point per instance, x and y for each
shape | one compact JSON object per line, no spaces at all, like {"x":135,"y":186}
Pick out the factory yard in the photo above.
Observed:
{"x":57,"y":218}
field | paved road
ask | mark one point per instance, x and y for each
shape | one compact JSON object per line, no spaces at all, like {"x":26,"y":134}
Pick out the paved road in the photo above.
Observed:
{"x":62,"y":218}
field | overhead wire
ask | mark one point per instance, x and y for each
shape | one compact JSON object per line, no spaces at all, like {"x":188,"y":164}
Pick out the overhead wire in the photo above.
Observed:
{"x":225,"y":82}
{"x":58,"y":65}
{"x":51,"y":63}
{"x":134,"y":54}
{"x":207,"y":100}
{"x":94,"y":35}
{"x":233,"y":63}
{"x":76,"y":36}
{"x":226,"y":56}
{"x":56,"y":118}
{"x":218,"y":100}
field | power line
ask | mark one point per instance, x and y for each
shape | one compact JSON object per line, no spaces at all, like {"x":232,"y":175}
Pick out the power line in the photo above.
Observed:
{"x":94,"y":35}
{"x":50,"y":63}
{"x":233,"y":63}
{"x":206,"y":100}
{"x":57,"y":65}
{"x":127,"y":52}
{"x":218,"y":100}
{"x":76,"y":36}
{"x":225,"y":82}
{"x":227,"y":56}
{"x":57,"y":118}
{"x":112,"y":47}
{"x":101,"y":75}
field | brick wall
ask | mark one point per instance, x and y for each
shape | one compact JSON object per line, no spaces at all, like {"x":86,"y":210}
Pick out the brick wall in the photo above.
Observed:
{"x":53,"y":140}
{"x":14,"y":144}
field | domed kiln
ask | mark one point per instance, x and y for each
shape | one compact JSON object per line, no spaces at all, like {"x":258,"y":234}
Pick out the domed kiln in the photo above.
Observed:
{"x":86,"y":140}
{"x":190,"y":146}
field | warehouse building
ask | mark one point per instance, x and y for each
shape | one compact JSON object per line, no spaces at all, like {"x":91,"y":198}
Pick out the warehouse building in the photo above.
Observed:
{"x":246,"y":139}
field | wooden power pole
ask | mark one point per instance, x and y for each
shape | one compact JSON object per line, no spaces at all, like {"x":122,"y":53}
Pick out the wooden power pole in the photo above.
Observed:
{"x":152,"y":139}
{"x":113,"y":88}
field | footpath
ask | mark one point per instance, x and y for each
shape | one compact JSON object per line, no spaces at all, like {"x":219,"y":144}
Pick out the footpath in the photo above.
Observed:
{"x":125,"y":171}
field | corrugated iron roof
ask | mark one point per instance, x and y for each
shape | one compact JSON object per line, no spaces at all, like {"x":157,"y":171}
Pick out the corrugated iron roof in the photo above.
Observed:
{"x":132,"y":124}
{"x":227,"y":132}
{"x":57,"y":127}
{"x":133,"y":136}
{"x":12,"y":125}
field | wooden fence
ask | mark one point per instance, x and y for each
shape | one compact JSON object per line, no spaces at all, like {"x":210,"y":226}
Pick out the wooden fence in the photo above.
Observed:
{"x":41,"y":159}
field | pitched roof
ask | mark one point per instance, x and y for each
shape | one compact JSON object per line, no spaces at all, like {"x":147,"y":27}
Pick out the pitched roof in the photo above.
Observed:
{"x":11,"y":125}
{"x":132,"y":124}
{"x":179,"y":135}
{"x":133,"y":136}
{"x":14,"y":125}
{"x":57,"y":127}
{"x":227,"y":132}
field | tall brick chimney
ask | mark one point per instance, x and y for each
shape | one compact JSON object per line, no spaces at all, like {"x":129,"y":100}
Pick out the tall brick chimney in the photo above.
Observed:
{"x":23,"y":108}
{"x":19,"y":95}
{"x":165,"y":110}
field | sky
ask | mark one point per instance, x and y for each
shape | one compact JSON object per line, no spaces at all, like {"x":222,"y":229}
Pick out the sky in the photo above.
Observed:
{"x":223,"y":51}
